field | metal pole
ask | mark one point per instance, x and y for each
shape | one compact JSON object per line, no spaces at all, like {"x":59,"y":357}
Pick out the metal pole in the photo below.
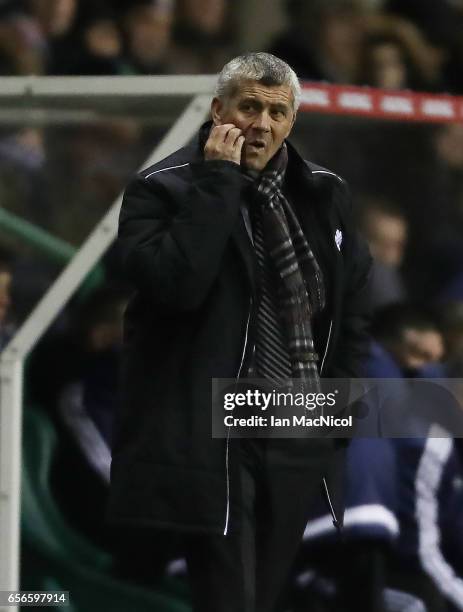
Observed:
{"x":12,"y":358}
{"x":10,"y":473}
{"x":13,"y":88}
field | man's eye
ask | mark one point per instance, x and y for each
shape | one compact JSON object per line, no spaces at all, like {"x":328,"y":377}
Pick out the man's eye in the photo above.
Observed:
{"x":279,"y":114}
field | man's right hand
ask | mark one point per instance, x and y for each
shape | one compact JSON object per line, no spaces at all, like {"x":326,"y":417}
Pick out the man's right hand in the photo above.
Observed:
{"x":224,"y":142}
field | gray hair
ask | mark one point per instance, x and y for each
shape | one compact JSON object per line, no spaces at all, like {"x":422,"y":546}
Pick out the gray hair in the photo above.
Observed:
{"x":263,"y":67}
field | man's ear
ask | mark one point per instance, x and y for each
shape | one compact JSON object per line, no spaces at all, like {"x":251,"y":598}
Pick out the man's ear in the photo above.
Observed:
{"x":290,"y":128}
{"x":216,"y":111}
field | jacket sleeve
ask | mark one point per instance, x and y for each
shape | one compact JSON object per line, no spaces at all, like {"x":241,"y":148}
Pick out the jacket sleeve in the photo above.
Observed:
{"x":171,"y":250}
{"x":353,"y":339}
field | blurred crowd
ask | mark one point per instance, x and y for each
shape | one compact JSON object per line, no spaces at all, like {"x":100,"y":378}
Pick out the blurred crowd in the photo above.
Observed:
{"x":384,"y":43}
{"x":114,"y":37}
{"x":403,"y":527}
{"x":387,"y":43}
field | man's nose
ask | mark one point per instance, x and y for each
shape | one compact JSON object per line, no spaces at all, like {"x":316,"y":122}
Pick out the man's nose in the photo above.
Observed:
{"x":262,"y":122}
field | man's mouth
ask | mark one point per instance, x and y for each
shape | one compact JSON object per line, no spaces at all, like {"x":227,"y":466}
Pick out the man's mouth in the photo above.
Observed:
{"x":257,"y":145}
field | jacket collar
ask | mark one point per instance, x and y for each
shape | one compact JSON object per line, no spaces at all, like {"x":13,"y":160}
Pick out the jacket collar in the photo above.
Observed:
{"x":297,"y":167}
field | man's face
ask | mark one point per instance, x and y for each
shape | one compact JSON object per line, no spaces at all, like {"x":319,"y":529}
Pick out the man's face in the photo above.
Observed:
{"x":387,"y":237}
{"x":420,"y":347}
{"x":149,"y":30}
{"x":264,"y":114}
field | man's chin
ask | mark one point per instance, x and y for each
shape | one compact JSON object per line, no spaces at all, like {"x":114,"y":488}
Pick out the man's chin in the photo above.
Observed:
{"x":253,"y":163}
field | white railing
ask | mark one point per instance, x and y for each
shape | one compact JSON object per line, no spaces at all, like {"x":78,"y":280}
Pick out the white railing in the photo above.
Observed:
{"x":12,"y":359}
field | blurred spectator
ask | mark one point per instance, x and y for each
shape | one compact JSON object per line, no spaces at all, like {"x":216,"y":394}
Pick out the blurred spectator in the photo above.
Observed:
{"x":385,"y":228}
{"x":428,"y":559}
{"x":403,"y":495}
{"x":407,"y":342}
{"x":402,"y":534}
{"x":87,"y":402}
{"x":23,"y":186}
{"x":421,"y":60}
{"x":203,"y":36}
{"x":436,"y":208}
{"x":64,"y":356}
{"x":442,"y":23}
{"x":449,"y":146}
{"x":7,"y":327}
{"x":323,"y":39}
{"x":91,"y":173}
{"x":73,"y":375}
{"x":22,"y":44}
{"x":148,"y":30}
{"x":56,"y":19}
{"x":98,"y":41}
{"x":82,"y":38}
{"x":24,"y":149}
{"x":25,"y":192}
{"x":76,"y":377}
{"x":386,"y":62}
{"x":350,"y":574}
{"x":408,"y":346}
{"x":55,"y":16}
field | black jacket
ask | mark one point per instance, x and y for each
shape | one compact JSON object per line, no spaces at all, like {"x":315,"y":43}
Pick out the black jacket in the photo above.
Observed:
{"x":186,"y":249}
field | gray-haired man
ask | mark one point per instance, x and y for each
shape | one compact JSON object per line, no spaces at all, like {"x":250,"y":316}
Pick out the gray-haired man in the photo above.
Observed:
{"x":201,"y":234}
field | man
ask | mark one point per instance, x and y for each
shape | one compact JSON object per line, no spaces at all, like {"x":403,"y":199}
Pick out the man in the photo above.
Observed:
{"x":407,"y":342}
{"x":212,"y":301}
{"x":385,"y":228}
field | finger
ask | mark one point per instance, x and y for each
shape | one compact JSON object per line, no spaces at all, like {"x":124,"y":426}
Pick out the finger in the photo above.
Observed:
{"x":232,"y":136}
{"x":240,"y":142}
{"x":220,"y":132}
{"x":227,"y":126}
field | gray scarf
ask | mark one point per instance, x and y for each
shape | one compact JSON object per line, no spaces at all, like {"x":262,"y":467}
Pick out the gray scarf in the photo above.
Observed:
{"x":301,"y":288}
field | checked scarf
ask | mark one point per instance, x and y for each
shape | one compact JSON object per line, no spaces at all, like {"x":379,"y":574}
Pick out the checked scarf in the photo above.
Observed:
{"x":299,"y":279}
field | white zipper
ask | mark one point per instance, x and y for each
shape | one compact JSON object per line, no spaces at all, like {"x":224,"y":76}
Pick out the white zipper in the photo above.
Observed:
{"x":227,"y":513}
{"x":333,"y":514}
{"x":327,"y":345}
